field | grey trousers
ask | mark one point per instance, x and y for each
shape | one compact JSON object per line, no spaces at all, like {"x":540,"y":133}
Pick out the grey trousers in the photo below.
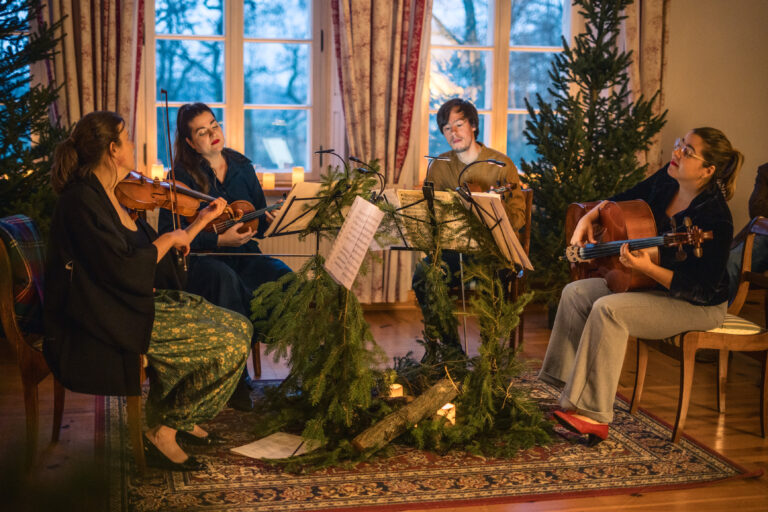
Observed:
{"x":589,"y":339}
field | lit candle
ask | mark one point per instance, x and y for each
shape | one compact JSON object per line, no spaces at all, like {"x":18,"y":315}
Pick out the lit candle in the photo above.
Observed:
{"x":449,"y":412}
{"x":297,"y":175}
{"x":157,"y":172}
{"x":395,"y":390}
{"x":268,"y":180}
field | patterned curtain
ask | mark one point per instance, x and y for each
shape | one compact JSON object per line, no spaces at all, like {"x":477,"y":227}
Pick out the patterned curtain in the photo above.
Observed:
{"x":381,"y":50}
{"x":646,"y":33}
{"x":99,"y":58}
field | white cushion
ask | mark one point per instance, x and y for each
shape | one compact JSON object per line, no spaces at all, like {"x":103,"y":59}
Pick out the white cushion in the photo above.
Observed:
{"x":736,"y":325}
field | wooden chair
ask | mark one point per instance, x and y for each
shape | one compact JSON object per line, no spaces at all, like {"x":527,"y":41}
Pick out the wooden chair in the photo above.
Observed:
{"x":519,"y":286}
{"x":27,"y":348}
{"x":735,"y":334}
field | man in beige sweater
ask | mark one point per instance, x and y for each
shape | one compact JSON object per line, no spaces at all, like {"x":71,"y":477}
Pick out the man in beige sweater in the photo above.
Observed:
{"x":458,"y":121}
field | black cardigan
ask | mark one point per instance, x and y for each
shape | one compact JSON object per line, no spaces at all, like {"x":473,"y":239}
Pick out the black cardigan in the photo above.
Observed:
{"x":99,"y":304}
{"x":702,"y":281}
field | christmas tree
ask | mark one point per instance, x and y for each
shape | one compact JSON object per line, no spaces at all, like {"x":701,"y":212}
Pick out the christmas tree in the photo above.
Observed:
{"x":587,"y":137}
{"x":27,"y":137}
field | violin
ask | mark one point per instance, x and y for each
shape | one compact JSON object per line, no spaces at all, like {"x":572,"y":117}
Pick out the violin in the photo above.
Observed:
{"x":139,"y":193}
{"x":239,"y":211}
{"x":623,"y":222}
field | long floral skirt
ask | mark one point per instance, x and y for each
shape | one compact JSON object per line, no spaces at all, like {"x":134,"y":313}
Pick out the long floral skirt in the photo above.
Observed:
{"x":196,"y":356}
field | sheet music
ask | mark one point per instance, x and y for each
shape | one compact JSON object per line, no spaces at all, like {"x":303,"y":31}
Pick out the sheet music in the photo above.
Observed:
{"x":352,"y":242}
{"x":293,"y":216}
{"x":416,"y":218}
{"x":277,"y":446}
{"x":491,"y":211}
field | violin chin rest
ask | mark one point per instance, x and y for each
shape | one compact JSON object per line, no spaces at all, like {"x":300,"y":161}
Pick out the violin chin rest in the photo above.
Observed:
{"x":617,"y":280}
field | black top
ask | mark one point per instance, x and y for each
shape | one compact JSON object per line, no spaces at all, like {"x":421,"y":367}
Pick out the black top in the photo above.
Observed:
{"x":758,"y":201}
{"x":701,"y":281}
{"x":99,"y":304}
{"x":240,"y":184}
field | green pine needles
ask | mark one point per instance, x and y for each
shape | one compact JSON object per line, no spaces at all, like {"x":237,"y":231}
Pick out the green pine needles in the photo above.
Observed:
{"x":587,"y":135}
{"x":27,"y":135}
{"x":335,"y":388}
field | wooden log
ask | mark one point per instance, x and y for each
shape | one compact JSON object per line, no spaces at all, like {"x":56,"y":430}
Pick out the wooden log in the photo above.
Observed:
{"x":394,"y":424}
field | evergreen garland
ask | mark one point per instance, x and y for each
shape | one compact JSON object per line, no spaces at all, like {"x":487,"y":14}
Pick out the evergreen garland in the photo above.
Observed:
{"x":27,"y":137}
{"x":334,"y":392}
{"x":588,"y":140}
{"x":493,"y":417}
{"x":319,"y":327}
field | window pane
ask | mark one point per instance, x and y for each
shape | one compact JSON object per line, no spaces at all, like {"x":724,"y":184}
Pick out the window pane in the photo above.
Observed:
{"x":536,"y":23}
{"x":517,"y":145}
{"x":162,"y":151}
{"x":528,"y":76}
{"x":277,"y":139}
{"x":437,"y":142}
{"x":277,"y":19}
{"x":276,"y":73}
{"x":190,"y":70}
{"x":460,"y":73}
{"x":467,"y":22}
{"x":192,"y":17}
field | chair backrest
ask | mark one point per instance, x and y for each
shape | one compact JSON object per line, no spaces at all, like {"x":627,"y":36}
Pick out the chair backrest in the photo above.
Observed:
{"x":525,"y":233}
{"x":21,"y":278}
{"x":747,"y":278}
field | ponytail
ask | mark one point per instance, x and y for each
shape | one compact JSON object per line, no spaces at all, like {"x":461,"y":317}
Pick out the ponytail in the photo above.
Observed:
{"x":727,"y":161}
{"x":65,"y":164}
{"x":76,"y":157}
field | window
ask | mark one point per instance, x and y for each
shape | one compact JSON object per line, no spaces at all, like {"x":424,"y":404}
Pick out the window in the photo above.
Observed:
{"x":261,"y":65}
{"x":494,"y":54}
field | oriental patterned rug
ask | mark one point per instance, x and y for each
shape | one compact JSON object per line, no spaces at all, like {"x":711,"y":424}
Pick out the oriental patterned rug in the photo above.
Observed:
{"x":637,"y":457}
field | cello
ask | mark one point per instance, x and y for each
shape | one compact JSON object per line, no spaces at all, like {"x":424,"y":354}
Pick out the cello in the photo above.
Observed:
{"x":623,"y":222}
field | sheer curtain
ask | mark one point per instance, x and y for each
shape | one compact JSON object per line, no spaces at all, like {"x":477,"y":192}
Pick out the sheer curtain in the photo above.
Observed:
{"x":381,"y":50}
{"x":99,"y":57}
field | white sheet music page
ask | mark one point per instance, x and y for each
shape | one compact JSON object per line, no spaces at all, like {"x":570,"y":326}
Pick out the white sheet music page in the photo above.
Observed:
{"x":352,"y":242}
{"x":493,"y":215}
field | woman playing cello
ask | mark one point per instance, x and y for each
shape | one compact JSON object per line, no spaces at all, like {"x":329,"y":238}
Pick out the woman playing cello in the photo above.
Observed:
{"x":589,"y":337}
{"x":102,"y":310}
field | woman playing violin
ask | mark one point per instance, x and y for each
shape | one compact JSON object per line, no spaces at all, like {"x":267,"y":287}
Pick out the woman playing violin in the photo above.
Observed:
{"x":204,"y":164}
{"x":102,"y":310}
{"x":589,"y":337}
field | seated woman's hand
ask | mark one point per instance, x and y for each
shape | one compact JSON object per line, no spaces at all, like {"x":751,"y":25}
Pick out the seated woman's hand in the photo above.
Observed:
{"x":232,"y":238}
{"x":213,"y":210}
{"x":180,"y":240}
{"x":583,"y":233}
{"x":637,"y":260}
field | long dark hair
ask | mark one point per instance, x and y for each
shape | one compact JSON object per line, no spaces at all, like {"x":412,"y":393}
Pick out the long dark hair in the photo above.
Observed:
{"x":76,"y":157}
{"x":727,"y":160}
{"x":185,"y":155}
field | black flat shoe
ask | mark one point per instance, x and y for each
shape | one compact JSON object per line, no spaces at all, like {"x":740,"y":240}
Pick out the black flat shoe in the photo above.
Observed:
{"x":191,"y":439}
{"x":156,"y":459}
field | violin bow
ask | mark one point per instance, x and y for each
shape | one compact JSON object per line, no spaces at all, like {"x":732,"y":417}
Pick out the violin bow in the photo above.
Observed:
{"x":174,"y":210}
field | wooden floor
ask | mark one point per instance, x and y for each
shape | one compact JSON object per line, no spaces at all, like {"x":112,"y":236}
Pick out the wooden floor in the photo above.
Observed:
{"x":66,"y":470}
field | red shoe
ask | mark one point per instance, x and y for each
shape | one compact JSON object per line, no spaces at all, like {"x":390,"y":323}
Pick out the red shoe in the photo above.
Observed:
{"x":597,"y":431}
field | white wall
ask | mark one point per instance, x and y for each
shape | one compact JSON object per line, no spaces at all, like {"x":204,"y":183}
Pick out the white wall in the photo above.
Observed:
{"x":717,"y":75}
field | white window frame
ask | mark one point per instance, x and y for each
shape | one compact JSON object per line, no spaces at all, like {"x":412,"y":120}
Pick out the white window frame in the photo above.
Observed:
{"x":497,"y":79}
{"x":319,"y":109}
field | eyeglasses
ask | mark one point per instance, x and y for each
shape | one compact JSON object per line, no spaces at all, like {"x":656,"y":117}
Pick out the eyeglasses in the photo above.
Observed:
{"x":687,"y":150}
{"x":448,"y":128}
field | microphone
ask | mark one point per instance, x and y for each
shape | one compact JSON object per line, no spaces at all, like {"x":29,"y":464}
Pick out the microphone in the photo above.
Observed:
{"x":324,"y":151}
